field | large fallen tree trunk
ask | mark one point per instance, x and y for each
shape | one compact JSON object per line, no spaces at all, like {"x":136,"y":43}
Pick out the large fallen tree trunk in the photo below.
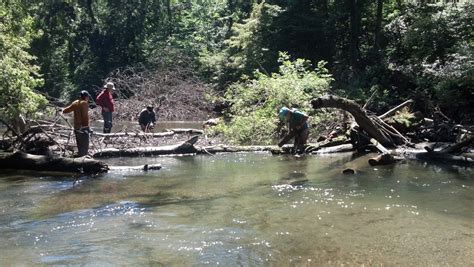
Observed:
{"x":169,"y":132}
{"x":226,"y":148}
{"x":372,"y":125}
{"x":24,"y":161}
{"x":186,"y":147}
{"x":134,"y":134}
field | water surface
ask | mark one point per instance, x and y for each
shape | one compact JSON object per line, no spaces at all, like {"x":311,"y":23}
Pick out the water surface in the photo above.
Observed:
{"x":241,"y":209}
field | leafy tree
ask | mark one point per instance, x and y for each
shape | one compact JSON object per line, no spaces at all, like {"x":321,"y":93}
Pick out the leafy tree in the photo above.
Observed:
{"x":255,"y":103}
{"x":433,"y":49}
{"x":249,"y":48}
{"x":18,"y":75}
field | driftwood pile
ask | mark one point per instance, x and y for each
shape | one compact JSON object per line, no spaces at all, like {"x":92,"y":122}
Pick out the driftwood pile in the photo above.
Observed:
{"x":371,"y":131}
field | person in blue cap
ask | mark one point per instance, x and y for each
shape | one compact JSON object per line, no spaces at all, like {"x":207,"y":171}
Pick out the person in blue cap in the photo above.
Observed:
{"x":297,"y":125}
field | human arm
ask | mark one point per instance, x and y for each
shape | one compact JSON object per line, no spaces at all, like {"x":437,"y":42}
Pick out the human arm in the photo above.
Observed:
{"x":287,"y":138}
{"x":70,"y":108}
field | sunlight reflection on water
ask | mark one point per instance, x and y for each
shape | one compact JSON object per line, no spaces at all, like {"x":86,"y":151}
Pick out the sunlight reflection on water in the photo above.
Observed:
{"x":242,"y":209}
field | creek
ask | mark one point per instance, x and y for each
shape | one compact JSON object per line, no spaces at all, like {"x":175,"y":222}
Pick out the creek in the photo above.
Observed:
{"x":241,"y":209}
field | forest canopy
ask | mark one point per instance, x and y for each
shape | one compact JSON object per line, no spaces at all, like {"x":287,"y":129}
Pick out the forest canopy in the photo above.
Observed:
{"x":391,"y":49}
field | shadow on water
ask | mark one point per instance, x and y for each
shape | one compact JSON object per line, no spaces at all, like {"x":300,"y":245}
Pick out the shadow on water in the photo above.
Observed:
{"x":295,"y":171}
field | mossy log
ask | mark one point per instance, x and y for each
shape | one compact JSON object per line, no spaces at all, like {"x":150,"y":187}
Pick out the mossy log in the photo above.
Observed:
{"x":24,"y":161}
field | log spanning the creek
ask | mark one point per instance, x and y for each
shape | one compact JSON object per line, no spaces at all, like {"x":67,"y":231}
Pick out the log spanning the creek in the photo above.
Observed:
{"x":186,"y":147}
{"x":168,"y":132}
{"x":24,"y":161}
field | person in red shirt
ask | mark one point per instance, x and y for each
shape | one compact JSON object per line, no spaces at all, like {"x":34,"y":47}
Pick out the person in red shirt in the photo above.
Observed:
{"x":80,"y":108}
{"x":106,"y":101}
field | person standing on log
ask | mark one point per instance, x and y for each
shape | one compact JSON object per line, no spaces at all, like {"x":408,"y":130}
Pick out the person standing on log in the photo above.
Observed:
{"x":80,"y":107}
{"x":106,"y":101}
{"x":297,"y":125}
{"x":147,"y":119}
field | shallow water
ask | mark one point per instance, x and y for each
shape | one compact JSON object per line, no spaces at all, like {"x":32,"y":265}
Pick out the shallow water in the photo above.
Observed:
{"x":241,"y":210}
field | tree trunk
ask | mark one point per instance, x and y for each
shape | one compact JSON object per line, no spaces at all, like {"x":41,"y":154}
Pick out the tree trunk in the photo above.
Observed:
{"x":364,"y":122}
{"x":170,"y":17}
{"x":23,"y":161}
{"x":378,"y":26}
{"x":186,"y":147}
{"x":354,"y":33}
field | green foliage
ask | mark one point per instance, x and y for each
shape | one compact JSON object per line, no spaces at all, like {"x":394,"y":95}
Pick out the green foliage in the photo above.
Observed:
{"x":249,"y":47}
{"x":433,"y":48}
{"x":255,"y":103}
{"x":18,"y":76}
{"x":403,"y":117}
{"x":423,"y":51}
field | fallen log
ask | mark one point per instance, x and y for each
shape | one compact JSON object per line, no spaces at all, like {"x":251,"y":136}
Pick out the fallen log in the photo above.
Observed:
{"x":146,"y":167}
{"x":169,"y":132}
{"x":186,"y":147}
{"x":24,"y":161}
{"x":372,"y":125}
{"x":341,"y":140}
{"x":225,"y":148}
{"x":335,"y":149}
{"x":382,"y":159}
{"x":186,"y":130}
{"x":457,"y":148}
{"x":445,"y":157}
{"x":360,"y":116}
{"x":134,"y":134}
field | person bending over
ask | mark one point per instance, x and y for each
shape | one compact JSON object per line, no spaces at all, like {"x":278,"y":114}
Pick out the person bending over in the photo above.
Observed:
{"x":297,"y":125}
{"x":147,"y":119}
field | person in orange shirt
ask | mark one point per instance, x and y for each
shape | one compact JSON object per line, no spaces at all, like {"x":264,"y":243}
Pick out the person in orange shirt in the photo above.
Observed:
{"x":80,"y":107}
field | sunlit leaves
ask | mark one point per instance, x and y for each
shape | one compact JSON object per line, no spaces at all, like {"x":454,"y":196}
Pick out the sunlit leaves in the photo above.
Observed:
{"x":255,"y":102}
{"x":18,"y":76}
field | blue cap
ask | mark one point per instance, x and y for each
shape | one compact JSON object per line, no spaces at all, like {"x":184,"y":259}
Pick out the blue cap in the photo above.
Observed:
{"x":282,"y":113}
